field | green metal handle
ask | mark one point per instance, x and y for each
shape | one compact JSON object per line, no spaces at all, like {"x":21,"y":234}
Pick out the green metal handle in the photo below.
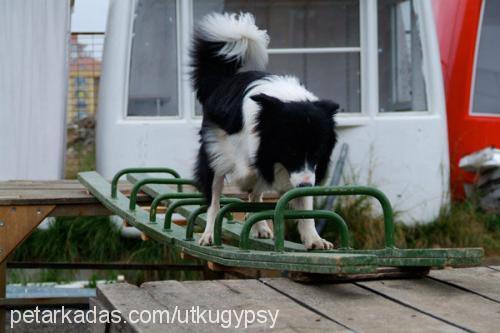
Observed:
{"x":168,"y":196}
{"x":246,"y":207}
{"x":114,"y":182}
{"x":296,"y":214}
{"x":279,"y":213}
{"x":165,"y":181}
{"x":173,"y":206}
{"x":191,"y":222}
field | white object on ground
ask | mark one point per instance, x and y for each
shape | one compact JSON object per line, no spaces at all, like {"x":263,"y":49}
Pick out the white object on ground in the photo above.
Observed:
{"x":483,"y":159}
{"x":486,"y":163}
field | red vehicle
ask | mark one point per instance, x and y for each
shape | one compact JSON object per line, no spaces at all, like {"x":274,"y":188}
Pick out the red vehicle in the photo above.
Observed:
{"x":469,"y":38}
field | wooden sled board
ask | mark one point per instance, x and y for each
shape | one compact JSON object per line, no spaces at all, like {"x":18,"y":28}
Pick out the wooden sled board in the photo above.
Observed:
{"x":435,"y":257}
{"x":328,"y":263}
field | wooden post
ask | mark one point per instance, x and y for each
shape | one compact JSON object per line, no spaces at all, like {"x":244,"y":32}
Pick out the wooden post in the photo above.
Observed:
{"x":17,"y":223}
{"x":3,"y":286}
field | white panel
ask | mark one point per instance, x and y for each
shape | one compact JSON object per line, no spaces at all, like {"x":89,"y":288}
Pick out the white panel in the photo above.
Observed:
{"x":33,"y":85}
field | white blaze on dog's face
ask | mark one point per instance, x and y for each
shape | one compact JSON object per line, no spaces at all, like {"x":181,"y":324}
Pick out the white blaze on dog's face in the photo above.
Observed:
{"x":303,"y":178}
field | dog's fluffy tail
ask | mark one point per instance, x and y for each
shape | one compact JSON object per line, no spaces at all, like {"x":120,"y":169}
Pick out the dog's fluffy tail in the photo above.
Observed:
{"x":223,"y":44}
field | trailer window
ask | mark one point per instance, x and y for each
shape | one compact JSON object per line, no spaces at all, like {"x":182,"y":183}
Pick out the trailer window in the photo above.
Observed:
{"x":153,"y":63}
{"x":486,"y":99}
{"x":316,"y":40}
{"x":401,"y":79}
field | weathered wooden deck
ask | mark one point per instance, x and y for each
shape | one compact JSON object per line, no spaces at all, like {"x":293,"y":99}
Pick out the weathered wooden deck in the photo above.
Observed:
{"x":25,"y":204}
{"x":452,"y":300}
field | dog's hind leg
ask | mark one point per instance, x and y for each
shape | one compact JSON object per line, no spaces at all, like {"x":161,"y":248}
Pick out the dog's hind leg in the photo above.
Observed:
{"x":208,"y":235}
{"x":306,"y":227}
{"x":260,"y":229}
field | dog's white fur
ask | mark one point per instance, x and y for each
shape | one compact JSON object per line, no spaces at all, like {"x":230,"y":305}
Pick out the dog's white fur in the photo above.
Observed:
{"x":244,"y":40}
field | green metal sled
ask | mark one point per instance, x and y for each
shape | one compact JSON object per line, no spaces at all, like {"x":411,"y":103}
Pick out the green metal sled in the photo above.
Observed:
{"x":277,"y":254}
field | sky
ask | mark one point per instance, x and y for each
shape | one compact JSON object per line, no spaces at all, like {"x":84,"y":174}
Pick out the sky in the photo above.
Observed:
{"x":89,"y":16}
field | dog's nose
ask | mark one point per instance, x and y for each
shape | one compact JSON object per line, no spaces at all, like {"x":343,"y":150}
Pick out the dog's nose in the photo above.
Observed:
{"x":304,"y":184}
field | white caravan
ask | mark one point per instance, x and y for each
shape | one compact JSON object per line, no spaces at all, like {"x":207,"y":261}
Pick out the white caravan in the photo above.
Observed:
{"x":378,"y":59}
{"x":33,"y":83}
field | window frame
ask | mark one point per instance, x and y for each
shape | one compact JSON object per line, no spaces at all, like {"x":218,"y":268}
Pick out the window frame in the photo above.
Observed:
{"x":369,"y":66}
{"x":425,"y":70}
{"x":312,"y":50}
{"x":180,"y":110}
{"x":474,"y":70}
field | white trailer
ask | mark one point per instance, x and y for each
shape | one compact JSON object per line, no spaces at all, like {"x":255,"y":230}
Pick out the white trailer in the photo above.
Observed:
{"x":378,"y":59}
{"x":34,"y":40}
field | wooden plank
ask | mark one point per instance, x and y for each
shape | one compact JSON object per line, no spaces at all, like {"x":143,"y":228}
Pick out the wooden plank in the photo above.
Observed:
{"x":242,"y":272}
{"x":16,"y":223}
{"x":40,"y":184}
{"x":75,"y":185}
{"x":227,"y":255}
{"x":481,"y":280}
{"x":379,"y":273}
{"x":385,"y":257}
{"x":457,"y":307}
{"x":128,"y":298}
{"x":98,"y":327}
{"x":90,"y":209}
{"x":52,"y":192}
{"x":241,"y":295}
{"x":3,"y":286}
{"x":358,"y":308}
{"x":341,"y":265}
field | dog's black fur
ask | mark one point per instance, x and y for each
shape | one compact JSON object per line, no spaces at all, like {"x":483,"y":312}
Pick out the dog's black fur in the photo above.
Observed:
{"x":290,"y":132}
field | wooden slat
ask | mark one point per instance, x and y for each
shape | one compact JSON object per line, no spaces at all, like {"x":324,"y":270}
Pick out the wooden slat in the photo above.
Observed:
{"x":385,"y":257}
{"x":39,"y":184}
{"x":422,"y":305}
{"x":98,"y":327}
{"x":481,"y":280}
{"x":51,"y":192}
{"x":358,"y":308}
{"x":241,"y":295}
{"x":227,"y":255}
{"x":458,"y":307}
{"x":126,"y":298}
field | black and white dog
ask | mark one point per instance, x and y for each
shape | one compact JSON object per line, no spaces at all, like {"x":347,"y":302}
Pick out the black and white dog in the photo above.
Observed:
{"x":264,"y":131}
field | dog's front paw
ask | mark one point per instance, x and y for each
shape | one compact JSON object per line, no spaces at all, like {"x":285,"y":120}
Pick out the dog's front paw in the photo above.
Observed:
{"x":262,"y":230}
{"x":206,"y":239}
{"x":317,"y":243}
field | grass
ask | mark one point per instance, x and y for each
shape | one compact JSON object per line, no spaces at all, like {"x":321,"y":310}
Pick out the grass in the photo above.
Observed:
{"x":81,"y":159}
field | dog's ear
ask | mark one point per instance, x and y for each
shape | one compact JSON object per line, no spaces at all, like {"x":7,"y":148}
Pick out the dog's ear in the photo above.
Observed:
{"x":266,"y":101}
{"x":328,"y":106}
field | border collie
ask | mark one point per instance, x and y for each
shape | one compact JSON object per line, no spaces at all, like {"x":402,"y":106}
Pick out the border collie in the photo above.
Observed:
{"x":262,"y":131}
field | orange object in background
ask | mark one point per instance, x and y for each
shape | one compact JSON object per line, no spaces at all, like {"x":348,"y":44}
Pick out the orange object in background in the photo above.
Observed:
{"x":471,"y":70}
